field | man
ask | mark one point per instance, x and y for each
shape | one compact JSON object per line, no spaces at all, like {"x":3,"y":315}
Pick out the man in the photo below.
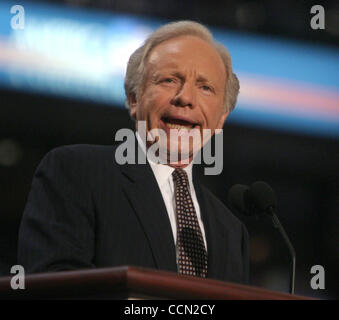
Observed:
{"x":85,"y":210}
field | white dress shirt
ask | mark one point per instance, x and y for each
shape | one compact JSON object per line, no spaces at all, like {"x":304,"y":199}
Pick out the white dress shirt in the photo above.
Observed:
{"x":163,"y":175}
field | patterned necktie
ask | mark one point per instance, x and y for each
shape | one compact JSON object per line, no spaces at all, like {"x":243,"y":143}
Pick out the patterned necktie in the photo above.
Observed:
{"x":192,"y":256}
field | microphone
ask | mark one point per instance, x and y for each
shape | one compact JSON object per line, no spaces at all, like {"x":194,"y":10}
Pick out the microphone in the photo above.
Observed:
{"x":258,"y":199}
{"x":236,"y":199}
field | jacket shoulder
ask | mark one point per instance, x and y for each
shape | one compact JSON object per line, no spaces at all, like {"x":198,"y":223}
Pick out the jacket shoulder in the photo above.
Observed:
{"x":81,"y":151}
{"x":78,"y":162}
{"x":80,"y":155}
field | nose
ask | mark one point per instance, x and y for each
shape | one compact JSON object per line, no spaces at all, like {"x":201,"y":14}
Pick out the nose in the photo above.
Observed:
{"x":185,"y":97}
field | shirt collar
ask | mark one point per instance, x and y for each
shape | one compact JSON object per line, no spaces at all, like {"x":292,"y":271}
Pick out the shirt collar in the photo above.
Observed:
{"x":163,"y":172}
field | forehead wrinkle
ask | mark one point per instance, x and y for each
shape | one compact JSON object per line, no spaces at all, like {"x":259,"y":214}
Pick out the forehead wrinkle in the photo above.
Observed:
{"x":155,"y":58}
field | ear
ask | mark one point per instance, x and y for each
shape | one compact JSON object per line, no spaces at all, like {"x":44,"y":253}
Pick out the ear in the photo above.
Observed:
{"x":132,"y":100}
{"x":222,"y":120}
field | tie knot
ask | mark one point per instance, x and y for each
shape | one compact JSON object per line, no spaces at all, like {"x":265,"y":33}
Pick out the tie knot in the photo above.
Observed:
{"x":180,"y":177}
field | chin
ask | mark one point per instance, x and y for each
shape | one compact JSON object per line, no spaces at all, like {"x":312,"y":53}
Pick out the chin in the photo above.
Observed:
{"x":179,"y":153}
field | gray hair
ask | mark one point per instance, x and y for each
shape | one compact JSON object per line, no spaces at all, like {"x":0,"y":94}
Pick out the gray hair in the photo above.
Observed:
{"x":136,"y":63}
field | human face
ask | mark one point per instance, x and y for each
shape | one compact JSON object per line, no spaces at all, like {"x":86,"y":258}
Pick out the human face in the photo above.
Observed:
{"x":183,"y":88}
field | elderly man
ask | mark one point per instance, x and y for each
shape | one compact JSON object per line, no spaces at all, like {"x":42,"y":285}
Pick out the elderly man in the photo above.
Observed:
{"x":86,"y":210}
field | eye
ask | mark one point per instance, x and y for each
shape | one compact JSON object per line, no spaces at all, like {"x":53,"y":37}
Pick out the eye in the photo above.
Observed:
{"x":206,"y":88}
{"x":168,"y":80}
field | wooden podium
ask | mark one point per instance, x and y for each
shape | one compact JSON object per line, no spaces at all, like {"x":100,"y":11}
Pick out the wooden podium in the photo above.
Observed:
{"x":131,"y":283}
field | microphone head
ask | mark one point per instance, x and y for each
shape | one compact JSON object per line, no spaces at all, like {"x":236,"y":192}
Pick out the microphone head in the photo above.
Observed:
{"x":262,"y":196}
{"x":237,"y":198}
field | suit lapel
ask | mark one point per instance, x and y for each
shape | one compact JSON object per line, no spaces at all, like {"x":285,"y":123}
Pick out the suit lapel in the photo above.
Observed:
{"x":141,"y":188}
{"x":144,"y":194}
{"x":215,"y":234}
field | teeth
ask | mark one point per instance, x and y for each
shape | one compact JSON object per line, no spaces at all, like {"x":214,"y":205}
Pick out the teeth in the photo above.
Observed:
{"x":178,"y":126}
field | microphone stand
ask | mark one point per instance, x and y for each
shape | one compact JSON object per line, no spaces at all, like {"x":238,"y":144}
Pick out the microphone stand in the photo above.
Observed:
{"x":281,"y":229}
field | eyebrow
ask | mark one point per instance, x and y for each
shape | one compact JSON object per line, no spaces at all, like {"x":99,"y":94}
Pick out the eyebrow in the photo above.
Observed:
{"x":203,"y":79}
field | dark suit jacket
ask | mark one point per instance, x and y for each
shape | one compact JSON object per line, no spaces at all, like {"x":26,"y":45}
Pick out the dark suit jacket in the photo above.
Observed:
{"x":85,"y":210}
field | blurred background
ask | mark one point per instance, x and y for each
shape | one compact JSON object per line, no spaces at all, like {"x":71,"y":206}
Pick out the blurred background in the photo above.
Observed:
{"x":61,"y":82}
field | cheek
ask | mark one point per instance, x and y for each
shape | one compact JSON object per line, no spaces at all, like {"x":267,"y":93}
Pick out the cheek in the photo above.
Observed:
{"x":155,"y":100}
{"x":213,"y":111}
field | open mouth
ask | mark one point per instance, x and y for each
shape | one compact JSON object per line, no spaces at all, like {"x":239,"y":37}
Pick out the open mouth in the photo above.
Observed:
{"x":174,"y":123}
